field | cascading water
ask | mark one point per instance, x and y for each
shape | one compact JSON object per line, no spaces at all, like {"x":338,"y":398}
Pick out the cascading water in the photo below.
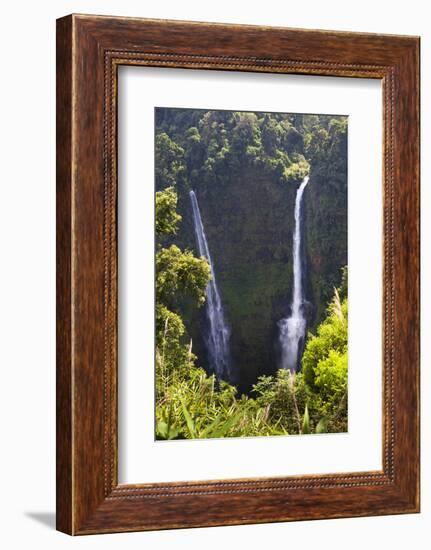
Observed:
{"x":292,"y":329}
{"x":217,"y":339}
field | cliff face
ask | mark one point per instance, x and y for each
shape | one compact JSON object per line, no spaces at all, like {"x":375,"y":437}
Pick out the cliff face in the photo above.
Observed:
{"x":325,"y":221}
{"x":250,"y":239}
{"x":247,"y":208}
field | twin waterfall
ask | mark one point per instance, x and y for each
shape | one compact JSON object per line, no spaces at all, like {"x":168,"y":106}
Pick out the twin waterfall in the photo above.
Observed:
{"x":217,"y":338}
{"x":292,"y":329}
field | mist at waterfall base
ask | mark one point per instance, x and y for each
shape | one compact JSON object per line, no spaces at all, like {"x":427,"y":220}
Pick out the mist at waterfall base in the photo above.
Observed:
{"x":292,"y":329}
{"x":218,"y":334}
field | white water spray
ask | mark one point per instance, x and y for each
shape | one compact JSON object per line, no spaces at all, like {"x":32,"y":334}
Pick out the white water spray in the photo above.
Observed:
{"x":217,"y":339}
{"x":292,"y":329}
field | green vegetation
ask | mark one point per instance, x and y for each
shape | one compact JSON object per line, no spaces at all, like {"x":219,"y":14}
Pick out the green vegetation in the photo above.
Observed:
{"x":194,"y":146}
{"x":190,"y":404}
{"x":245,"y":168}
{"x":177,"y":272}
{"x":325,"y":209}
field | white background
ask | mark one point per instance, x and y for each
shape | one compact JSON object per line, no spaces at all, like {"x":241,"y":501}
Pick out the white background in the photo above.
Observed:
{"x":141,"y":458}
{"x":27,"y":276}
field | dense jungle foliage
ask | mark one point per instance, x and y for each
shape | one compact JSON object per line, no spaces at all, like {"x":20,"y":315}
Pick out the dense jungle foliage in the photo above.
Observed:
{"x":191,"y":404}
{"x":245,"y":168}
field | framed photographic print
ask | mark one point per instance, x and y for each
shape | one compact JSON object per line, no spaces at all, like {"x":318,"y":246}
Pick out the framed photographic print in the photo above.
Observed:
{"x":237,"y":274}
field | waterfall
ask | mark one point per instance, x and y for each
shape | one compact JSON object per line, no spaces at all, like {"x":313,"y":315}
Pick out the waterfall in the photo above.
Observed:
{"x":292,"y":329}
{"x":217,"y":338}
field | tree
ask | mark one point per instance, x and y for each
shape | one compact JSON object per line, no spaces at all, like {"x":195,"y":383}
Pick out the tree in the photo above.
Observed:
{"x":272,"y":133}
{"x":325,"y":364}
{"x":167,"y":217}
{"x":179,"y":272}
{"x":169,"y":161}
{"x":246,"y":137}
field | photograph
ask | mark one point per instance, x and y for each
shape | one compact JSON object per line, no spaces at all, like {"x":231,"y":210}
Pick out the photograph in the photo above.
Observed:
{"x":194,"y":196}
{"x":251,"y":273}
